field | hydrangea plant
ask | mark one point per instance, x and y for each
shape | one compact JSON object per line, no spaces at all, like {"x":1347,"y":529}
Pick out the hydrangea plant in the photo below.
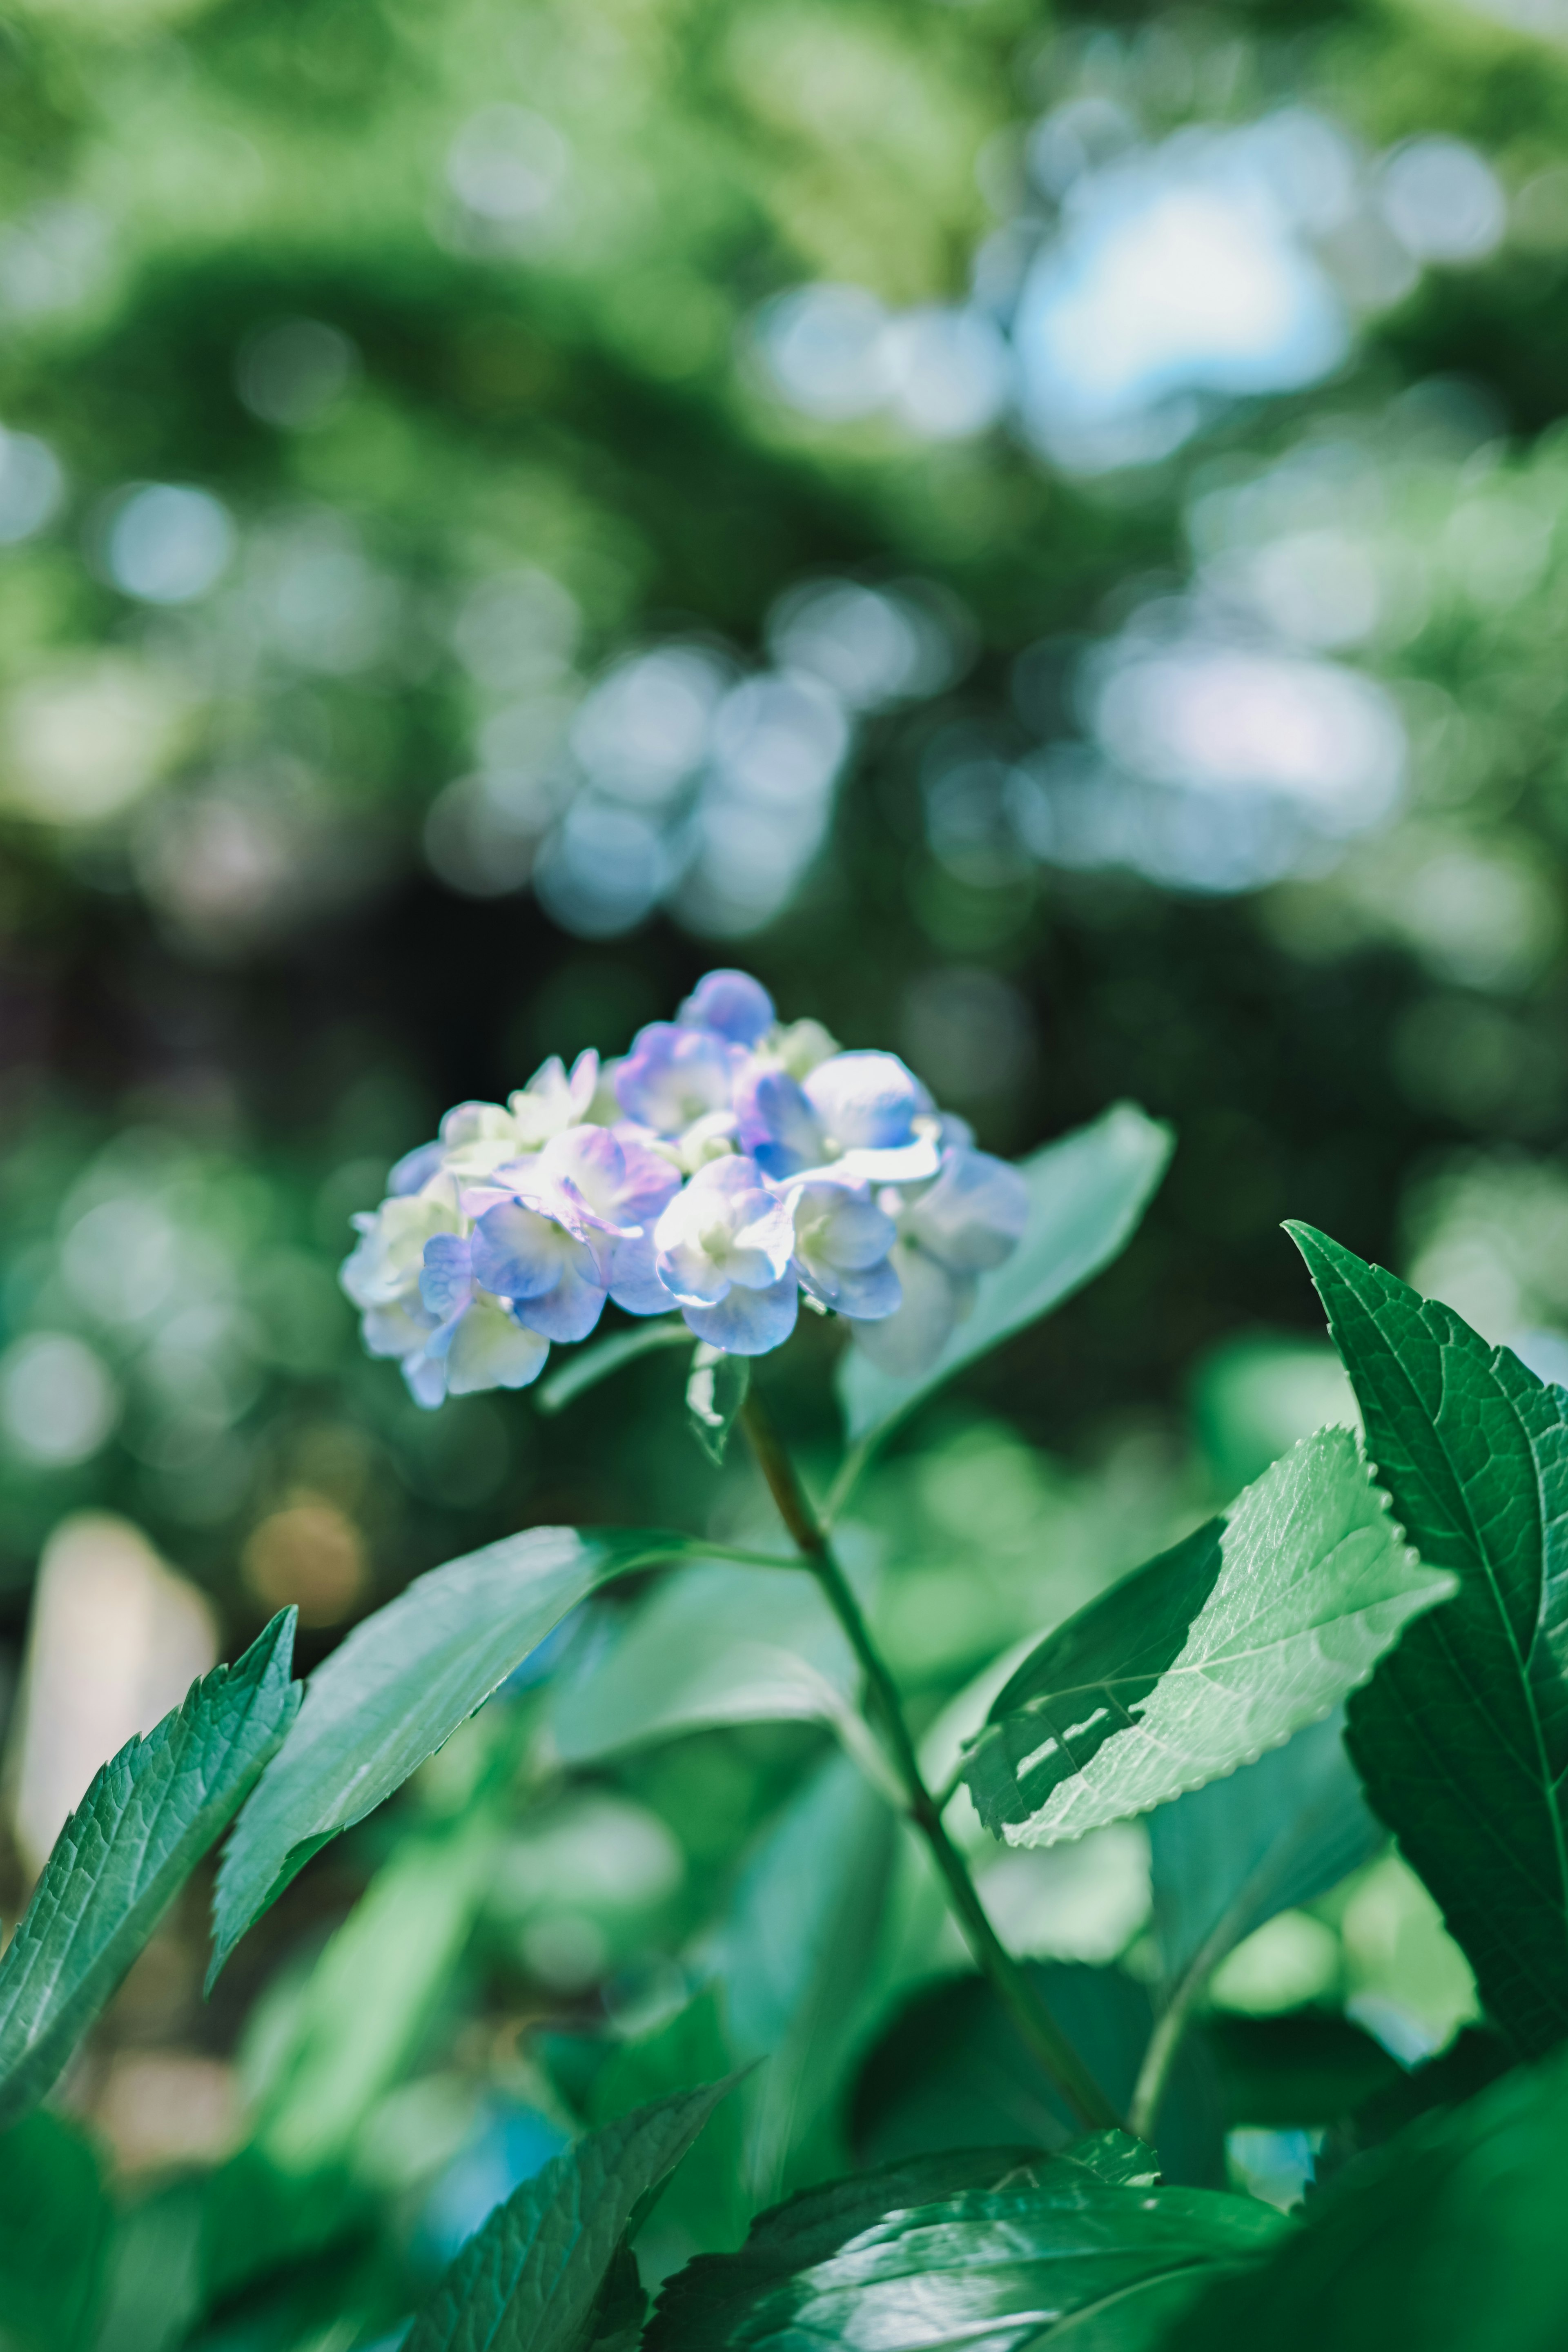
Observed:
{"x":728,"y":1166}
{"x":1369,"y":1639}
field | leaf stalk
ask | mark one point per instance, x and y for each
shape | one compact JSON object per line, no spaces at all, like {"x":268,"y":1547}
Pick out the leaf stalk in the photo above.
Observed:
{"x":1038,"y":2028}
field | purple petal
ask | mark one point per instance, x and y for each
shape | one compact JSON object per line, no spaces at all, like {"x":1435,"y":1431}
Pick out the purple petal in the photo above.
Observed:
{"x":673,"y":1075}
{"x":445,"y":1280}
{"x":518,"y":1254}
{"x":865,"y":1293}
{"x":748,"y":1322}
{"x":776,"y":1124}
{"x":975,"y":1215}
{"x":633,"y":1280}
{"x":569,"y":1311}
{"x":733,"y":1003}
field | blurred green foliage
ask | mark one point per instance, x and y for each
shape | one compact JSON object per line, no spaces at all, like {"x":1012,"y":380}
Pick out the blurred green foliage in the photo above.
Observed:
{"x":459,"y":323}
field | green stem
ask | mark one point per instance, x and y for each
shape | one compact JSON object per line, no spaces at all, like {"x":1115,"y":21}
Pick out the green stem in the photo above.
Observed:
{"x":1034,"y":2021}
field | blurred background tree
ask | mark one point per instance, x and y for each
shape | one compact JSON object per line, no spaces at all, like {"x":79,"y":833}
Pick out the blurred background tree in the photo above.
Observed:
{"x":1044,"y":535}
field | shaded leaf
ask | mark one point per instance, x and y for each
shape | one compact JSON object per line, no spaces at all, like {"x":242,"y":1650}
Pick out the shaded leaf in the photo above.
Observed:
{"x":1087,"y":1193}
{"x":1462,"y":1739}
{"x":1216,"y":1650}
{"x":533,"y":2279}
{"x":587,"y":1366}
{"x":54,"y":2225}
{"x":716,"y":1644}
{"x":953,"y":2071}
{"x":797,"y":1957}
{"x":148,"y":1818}
{"x":995,"y":2248}
{"x":715,"y":1392}
{"x":1450,"y":2238}
{"x":399,"y":1688}
{"x":1228,"y":1856}
{"x":1296,"y":2071}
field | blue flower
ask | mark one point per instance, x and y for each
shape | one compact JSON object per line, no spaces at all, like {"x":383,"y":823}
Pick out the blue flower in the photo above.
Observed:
{"x":475,"y":1343}
{"x":608,"y":1192}
{"x":842,"y":1245}
{"x":732,"y":1004}
{"x":544,"y":1265}
{"x":968,"y":1221}
{"x":675,"y":1077}
{"x":864,"y":1114}
{"x":724,"y":1245}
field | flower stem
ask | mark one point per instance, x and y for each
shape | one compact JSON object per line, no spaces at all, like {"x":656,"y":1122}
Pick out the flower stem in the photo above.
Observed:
{"x":1033,"y":2020}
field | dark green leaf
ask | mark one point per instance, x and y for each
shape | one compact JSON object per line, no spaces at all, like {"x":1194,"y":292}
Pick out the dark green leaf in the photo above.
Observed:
{"x":398,"y":1688}
{"x":1462,"y":1739}
{"x":1087,"y":1193}
{"x":587,"y":1366}
{"x":1294,"y":2072}
{"x":148,"y":1818}
{"x":1216,"y":1650}
{"x":953,"y":2071}
{"x":534,"y":2277}
{"x":705,"y":2205}
{"x":1228,"y":1856}
{"x":714,"y":1395}
{"x":54,"y":2224}
{"x":1450,"y":2239}
{"x":992,"y":2248}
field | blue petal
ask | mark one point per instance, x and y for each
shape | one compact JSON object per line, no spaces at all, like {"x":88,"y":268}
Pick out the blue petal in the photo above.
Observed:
{"x":569,"y":1311}
{"x":445,"y":1280}
{"x":731,"y":1002}
{"x":748,"y":1322}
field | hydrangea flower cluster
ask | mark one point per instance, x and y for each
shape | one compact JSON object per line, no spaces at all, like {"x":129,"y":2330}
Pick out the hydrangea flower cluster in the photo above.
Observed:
{"x":727,"y":1166}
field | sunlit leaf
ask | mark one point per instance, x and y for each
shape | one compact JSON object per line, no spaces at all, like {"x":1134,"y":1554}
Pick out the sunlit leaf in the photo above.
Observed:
{"x":998,"y":2248}
{"x":1462,"y":1739}
{"x":148,"y":1818}
{"x":1086,"y":1194}
{"x":1213,"y":1653}
{"x":1450,"y":2238}
{"x":399,"y":1688}
{"x":533,"y":2279}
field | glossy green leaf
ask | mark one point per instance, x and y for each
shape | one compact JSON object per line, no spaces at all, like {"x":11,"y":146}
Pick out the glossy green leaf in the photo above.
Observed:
{"x":399,"y":1688}
{"x":1462,"y":1739}
{"x":1086,"y":1194}
{"x":715,"y":1392}
{"x":1448,"y":2239}
{"x":587,"y":1366}
{"x":1230,"y":1855}
{"x":716,"y":1644}
{"x":148,"y":1818}
{"x":1213,"y":1653}
{"x":535,"y":2278}
{"x":997,"y":2248}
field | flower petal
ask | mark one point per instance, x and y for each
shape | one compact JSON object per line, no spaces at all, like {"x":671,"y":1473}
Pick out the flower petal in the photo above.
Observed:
{"x":569,"y":1311}
{"x":519,"y":1254}
{"x":866,"y":1101}
{"x":909,"y":1340}
{"x":748,"y":1322}
{"x":491,"y":1350}
{"x":733,"y":1003}
{"x":974,"y":1215}
{"x":445,"y":1280}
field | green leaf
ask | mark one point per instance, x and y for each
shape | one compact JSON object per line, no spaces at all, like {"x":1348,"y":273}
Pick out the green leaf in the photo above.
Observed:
{"x":587,"y":1366}
{"x":1462,"y":1739}
{"x":1211,"y":1653}
{"x":54,"y":2225}
{"x":717,"y":1645}
{"x":399,"y":1688}
{"x":148,"y":1818}
{"x":1448,"y":2239}
{"x":1087,"y":1193}
{"x":533,"y":2279}
{"x":1228,"y":1856}
{"x":953,"y":2071}
{"x":367,"y":2003}
{"x":714,"y":1395}
{"x":997,"y":2248}
{"x":798,"y":1955}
